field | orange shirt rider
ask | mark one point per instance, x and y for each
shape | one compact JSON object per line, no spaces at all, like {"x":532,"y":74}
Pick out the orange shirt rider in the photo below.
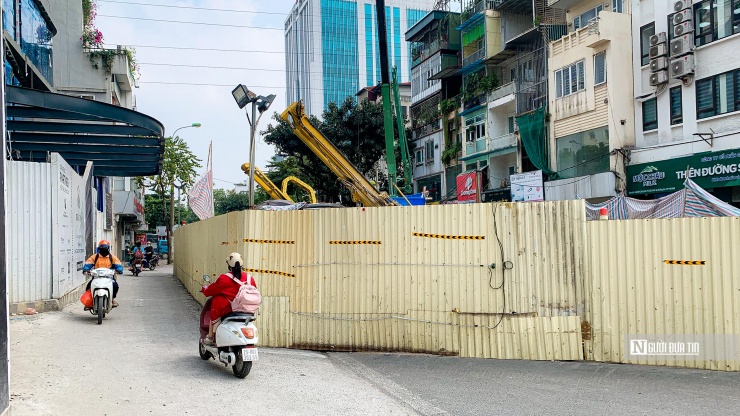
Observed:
{"x":104,"y":259}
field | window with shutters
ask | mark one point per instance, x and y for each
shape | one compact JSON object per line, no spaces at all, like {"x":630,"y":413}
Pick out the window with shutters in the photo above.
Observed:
{"x":717,"y":95}
{"x":570,"y":79}
{"x":645,"y":33}
{"x":676,"y":106}
{"x":600,"y":68}
{"x":650,"y":114}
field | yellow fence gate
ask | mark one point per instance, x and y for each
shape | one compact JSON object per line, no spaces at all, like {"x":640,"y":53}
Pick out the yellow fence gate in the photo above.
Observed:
{"x":480,"y":280}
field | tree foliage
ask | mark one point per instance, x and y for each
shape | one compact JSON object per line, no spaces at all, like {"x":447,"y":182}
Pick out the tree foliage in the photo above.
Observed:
{"x":355,"y":129}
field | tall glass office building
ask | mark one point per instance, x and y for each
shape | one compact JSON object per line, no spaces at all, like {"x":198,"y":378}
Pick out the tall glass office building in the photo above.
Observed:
{"x":331,"y":47}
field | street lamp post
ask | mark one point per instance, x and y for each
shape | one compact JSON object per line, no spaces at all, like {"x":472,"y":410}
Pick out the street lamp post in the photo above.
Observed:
{"x":172,"y":202}
{"x":243,"y":96}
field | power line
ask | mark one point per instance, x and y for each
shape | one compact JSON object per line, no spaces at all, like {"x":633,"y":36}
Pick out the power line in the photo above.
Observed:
{"x":191,"y":23}
{"x":215,"y":67}
{"x":202,"y":49}
{"x":204,"y":84}
{"x":191,"y":8}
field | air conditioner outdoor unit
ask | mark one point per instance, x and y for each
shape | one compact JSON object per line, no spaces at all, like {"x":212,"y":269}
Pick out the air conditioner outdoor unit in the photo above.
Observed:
{"x":682,"y":66}
{"x":658,"y":38}
{"x":658,"y":50}
{"x":682,"y":29}
{"x":683,"y":45}
{"x":681,"y":5}
{"x":683,"y":16}
{"x":658,"y":63}
{"x":657,"y":78}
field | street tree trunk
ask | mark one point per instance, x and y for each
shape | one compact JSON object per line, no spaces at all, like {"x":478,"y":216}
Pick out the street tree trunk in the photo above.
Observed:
{"x":172,"y":224}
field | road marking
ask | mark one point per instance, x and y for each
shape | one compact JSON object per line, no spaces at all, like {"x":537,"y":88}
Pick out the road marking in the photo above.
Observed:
{"x":387,"y":385}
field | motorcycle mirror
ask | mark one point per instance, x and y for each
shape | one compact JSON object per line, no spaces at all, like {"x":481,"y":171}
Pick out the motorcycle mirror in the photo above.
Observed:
{"x":206,"y":278}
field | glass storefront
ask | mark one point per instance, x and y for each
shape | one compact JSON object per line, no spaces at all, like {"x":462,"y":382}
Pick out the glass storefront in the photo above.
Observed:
{"x":584,"y":153}
{"x":433,"y":184}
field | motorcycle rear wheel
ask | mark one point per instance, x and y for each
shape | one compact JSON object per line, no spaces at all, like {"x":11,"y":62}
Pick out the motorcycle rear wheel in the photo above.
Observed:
{"x":204,"y":353}
{"x":241,"y":368}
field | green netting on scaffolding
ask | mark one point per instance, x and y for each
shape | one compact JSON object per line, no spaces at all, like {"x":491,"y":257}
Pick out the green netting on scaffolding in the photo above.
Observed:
{"x":534,"y":138}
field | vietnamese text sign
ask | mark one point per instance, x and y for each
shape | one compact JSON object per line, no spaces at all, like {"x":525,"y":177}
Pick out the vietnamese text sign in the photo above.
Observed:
{"x":527,"y":187}
{"x":709,"y":170}
{"x":467,"y":187}
{"x":68,"y":219}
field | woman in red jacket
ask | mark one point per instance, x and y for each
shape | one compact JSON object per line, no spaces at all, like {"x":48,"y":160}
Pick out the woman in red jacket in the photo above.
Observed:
{"x":223,"y":291}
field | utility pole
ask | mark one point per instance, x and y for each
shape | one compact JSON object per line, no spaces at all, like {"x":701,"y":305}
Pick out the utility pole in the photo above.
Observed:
{"x":385,"y":88}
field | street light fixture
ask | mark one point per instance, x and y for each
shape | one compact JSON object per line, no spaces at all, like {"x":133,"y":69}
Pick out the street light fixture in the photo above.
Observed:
{"x":243,"y":96}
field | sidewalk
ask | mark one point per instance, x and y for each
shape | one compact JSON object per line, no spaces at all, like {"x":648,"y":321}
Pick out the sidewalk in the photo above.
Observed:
{"x":143,"y":360}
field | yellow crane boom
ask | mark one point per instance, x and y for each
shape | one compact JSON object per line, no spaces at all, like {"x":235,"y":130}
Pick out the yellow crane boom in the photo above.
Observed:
{"x":359,"y":187}
{"x":266,"y":183}
{"x":303,"y":185}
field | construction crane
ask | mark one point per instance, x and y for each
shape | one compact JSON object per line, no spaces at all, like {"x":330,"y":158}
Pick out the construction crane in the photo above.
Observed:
{"x":402,"y":142}
{"x":275,"y":192}
{"x":360,"y":188}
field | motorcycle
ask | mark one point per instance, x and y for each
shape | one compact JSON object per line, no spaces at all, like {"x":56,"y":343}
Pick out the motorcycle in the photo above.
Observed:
{"x":151,"y":264}
{"x":236,"y":339}
{"x":101,"y":288}
{"x":136,"y":267}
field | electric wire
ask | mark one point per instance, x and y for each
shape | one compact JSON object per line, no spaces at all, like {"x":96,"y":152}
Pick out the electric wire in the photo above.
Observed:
{"x":171,"y":6}
{"x":148,"y":19}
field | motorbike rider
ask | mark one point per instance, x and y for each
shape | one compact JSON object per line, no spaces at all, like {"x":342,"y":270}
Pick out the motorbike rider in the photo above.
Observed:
{"x":223,"y":291}
{"x":104,"y":259}
{"x":137,"y":248}
{"x":149,"y":252}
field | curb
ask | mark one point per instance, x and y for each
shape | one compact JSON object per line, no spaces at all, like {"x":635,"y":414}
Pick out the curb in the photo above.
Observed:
{"x":47,"y":305}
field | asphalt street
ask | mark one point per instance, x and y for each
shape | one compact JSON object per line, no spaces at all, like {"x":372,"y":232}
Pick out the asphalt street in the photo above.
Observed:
{"x":143,"y":360}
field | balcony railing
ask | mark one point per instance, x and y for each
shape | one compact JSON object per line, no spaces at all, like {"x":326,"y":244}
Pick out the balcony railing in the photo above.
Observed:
{"x":502,"y":91}
{"x":476,"y":56}
{"x":479,"y":145}
{"x":474,"y":9}
{"x":502,"y":142}
{"x":420,"y":54}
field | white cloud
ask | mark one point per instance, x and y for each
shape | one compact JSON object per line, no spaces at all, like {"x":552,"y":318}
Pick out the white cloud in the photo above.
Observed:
{"x":180,"y":105}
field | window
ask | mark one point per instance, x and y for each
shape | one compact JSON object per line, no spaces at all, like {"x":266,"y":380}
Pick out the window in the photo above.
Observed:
{"x":650,"y":114}
{"x":716,"y":19}
{"x":676,"y":106}
{"x":475,"y":127}
{"x":583,"y":20}
{"x":617,"y":6}
{"x":511,"y":124}
{"x":600,"y":68}
{"x":584,"y":153}
{"x":429,"y":151}
{"x":717,"y":95}
{"x":119,"y":184}
{"x":645,"y":33}
{"x":570,"y":79}
{"x":419,"y":157}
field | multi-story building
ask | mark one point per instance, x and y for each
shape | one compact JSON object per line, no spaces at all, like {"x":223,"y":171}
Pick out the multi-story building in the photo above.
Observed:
{"x":331,"y":47}
{"x":591,"y":105}
{"x":505,"y":76}
{"x":372,"y":94}
{"x":435,"y":45}
{"x":687,"y":99}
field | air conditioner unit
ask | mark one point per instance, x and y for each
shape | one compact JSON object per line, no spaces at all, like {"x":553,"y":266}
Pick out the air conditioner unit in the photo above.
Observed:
{"x":682,"y":46}
{"x":682,"y":29}
{"x":658,"y":50}
{"x":658,"y":38}
{"x":682,"y":66}
{"x":657,"y":78}
{"x":658,"y":63}
{"x":683,"y":16}
{"x":681,"y":5}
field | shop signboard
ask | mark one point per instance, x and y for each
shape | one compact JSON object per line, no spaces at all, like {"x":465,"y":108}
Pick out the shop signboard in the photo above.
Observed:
{"x":709,"y":170}
{"x":68,"y":219}
{"x":527,"y":187}
{"x":468,"y":188}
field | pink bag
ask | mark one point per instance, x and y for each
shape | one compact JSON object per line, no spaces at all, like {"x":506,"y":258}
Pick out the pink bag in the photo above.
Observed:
{"x":248,"y":298}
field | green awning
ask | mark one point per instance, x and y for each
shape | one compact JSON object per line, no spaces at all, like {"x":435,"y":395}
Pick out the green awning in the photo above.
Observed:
{"x":474,"y":33}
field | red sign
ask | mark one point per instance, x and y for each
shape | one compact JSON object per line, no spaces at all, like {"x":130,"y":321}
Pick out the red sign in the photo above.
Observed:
{"x":138,"y":206}
{"x":141,"y":238}
{"x":468,"y":188}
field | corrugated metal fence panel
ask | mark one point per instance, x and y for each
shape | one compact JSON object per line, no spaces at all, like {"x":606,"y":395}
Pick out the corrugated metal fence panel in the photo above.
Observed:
{"x":636,"y":293}
{"x":361,"y":279}
{"x":29,"y":236}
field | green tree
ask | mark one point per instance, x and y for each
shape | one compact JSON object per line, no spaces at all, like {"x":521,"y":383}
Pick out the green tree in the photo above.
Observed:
{"x":178,"y":169}
{"x":355,"y":129}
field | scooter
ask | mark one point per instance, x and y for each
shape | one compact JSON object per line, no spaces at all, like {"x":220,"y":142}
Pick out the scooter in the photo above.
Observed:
{"x":136,"y":267}
{"x":151,"y":264}
{"x":236,"y":339}
{"x":101,"y":288}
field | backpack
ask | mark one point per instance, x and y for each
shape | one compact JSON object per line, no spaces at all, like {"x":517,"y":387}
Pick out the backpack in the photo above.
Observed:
{"x":138,"y":254}
{"x":248,"y":298}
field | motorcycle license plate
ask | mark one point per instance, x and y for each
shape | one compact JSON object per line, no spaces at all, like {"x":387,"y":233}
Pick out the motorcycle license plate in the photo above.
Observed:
{"x":250,"y":354}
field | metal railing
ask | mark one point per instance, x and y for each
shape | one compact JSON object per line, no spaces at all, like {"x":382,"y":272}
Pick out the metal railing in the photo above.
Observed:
{"x":502,"y":91}
{"x":476,"y":56}
{"x":502,"y":142}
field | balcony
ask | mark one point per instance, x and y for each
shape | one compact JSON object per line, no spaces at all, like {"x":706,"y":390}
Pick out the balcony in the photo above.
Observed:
{"x":502,"y":91}
{"x":478,"y":146}
{"x":562,"y":4}
{"x":473,"y":9}
{"x":474,"y":57}
{"x":117,"y":63}
{"x":506,"y":141}
{"x":605,"y":28}
{"x":421,"y":53}
{"x":121,"y":70}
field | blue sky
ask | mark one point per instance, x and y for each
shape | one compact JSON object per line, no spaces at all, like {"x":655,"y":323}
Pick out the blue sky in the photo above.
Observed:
{"x":212,"y":106}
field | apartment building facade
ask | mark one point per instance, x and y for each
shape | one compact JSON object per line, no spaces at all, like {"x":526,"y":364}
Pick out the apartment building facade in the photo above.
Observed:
{"x":687,"y":97}
{"x":591,"y":104}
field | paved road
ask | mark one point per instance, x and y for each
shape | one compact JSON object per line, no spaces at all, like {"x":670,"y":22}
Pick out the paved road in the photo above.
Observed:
{"x":143,"y":361}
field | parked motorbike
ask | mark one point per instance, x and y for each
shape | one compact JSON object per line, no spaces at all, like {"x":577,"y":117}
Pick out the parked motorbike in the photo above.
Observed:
{"x":236,"y":339}
{"x":101,"y":288}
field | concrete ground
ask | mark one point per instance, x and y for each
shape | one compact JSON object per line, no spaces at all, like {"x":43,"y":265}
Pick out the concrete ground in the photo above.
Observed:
{"x":143,"y":360}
